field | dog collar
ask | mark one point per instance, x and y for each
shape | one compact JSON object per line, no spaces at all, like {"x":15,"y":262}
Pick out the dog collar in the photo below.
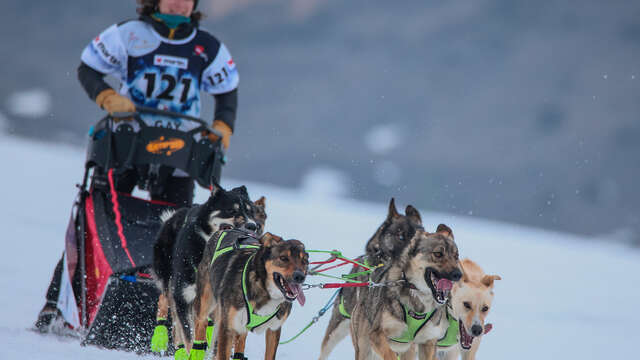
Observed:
{"x":254,"y":320}
{"x":415,"y":322}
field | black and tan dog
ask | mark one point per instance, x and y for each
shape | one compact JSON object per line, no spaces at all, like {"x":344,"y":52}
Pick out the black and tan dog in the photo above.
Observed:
{"x":248,"y":284}
{"x":409,"y":307}
{"x":181,"y":242}
{"x":387,"y":242}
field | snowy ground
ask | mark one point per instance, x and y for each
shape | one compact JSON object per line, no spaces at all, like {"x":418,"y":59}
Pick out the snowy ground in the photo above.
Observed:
{"x":561,"y":297}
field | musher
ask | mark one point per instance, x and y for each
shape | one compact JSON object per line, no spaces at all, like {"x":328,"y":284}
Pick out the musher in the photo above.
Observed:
{"x":164,"y":61}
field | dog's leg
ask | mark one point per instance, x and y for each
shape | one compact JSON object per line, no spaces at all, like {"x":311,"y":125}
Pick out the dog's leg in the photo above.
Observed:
{"x":409,"y":354}
{"x":181,"y":310}
{"x":471,"y":354}
{"x":201,"y":309}
{"x":160,"y":337}
{"x":337,"y":330}
{"x":178,"y":337}
{"x":163,"y":307}
{"x":427,"y":350}
{"x":380,"y":344}
{"x":224,"y":333}
{"x":272,"y":338}
{"x":239,"y":344}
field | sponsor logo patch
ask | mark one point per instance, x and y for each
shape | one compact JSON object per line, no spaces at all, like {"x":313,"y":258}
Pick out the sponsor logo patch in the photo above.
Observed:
{"x":231,"y":64}
{"x":173,"y":61}
{"x":162,"y":146}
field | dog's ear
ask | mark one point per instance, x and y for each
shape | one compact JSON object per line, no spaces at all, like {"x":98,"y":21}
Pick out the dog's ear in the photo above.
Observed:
{"x":269,"y":240}
{"x":465,"y":278}
{"x":215,"y":189}
{"x":262,"y":202}
{"x":445,"y":230}
{"x":393,"y":212}
{"x":413,"y":214}
{"x":488,"y":280}
{"x":241,"y":190}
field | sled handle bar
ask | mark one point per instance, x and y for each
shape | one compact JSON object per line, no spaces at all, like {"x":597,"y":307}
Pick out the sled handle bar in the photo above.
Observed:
{"x":149,"y":110}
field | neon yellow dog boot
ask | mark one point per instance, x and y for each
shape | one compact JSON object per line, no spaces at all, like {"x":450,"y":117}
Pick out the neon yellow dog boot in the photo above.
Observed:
{"x":181,"y":353}
{"x":160,"y":338}
{"x":210,"y":328}
{"x":199,"y":350}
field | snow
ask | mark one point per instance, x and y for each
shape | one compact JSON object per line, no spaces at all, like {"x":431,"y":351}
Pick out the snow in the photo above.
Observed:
{"x":32,"y":103}
{"x":561,"y":297}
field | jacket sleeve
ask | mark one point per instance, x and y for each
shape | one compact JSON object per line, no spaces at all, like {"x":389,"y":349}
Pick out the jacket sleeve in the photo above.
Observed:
{"x":92,"y":81}
{"x":226,"y":107}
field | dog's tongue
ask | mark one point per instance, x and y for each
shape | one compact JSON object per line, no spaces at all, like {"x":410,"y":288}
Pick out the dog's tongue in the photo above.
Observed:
{"x":444,"y":285}
{"x":488,"y":328}
{"x":297,"y":290}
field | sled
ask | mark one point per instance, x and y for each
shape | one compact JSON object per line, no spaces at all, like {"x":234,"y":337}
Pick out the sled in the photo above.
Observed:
{"x":110,"y":237}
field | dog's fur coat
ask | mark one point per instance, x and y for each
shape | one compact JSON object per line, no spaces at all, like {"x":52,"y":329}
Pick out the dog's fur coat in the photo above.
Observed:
{"x":418,"y":278}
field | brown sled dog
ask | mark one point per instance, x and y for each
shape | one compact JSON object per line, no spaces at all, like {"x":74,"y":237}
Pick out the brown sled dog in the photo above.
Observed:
{"x":410,"y":309}
{"x":248,"y":285}
{"x":390,"y":238}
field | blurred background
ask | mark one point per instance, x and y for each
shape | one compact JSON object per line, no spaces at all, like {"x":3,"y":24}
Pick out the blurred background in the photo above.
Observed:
{"x":520,"y":111}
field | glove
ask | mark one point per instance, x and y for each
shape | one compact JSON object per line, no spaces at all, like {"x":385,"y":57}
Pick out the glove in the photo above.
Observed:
{"x":225,"y":130}
{"x":113,"y":102}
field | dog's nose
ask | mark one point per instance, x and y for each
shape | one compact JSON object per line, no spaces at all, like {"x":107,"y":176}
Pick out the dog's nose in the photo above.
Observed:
{"x":298,"y":276}
{"x":456,"y":275}
{"x":476,"y":330}
{"x":251,"y":226}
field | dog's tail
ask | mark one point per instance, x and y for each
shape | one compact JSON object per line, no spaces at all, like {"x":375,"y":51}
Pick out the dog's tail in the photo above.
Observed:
{"x":163,"y":248}
{"x":337,"y":330}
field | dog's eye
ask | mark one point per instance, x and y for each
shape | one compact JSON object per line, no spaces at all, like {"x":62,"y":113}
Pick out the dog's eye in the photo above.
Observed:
{"x":485,"y":308}
{"x":284,"y":258}
{"x":467,"y":305}
{"x":226,"y":227}
{"x":438,"y":254}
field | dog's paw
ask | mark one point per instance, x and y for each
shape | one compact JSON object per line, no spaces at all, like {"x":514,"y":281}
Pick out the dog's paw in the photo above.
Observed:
{"x":181,"y":353}
{"x":160,"y":339}
{"x":198,"y":351}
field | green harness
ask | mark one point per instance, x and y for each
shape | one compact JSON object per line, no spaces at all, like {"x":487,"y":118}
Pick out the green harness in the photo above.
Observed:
{"x":254,"y":320}
{"x":415,"y":321}
{"x":451,"y":336}
{"x":342,"y":309}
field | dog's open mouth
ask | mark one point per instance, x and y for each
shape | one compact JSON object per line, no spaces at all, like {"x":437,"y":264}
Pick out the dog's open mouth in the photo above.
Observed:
{"x":465,"y":339}
{"x":440,"y":287}
{"x":290,"y":290}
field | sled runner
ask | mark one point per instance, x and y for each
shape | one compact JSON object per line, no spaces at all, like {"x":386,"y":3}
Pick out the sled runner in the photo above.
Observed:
{"x":109,"y":241}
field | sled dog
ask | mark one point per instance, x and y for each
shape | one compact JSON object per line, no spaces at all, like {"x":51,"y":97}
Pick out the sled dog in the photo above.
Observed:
{"x":388,"y":240}
{"x":470,"y":303}
{"x":183,"y":236}
{"x":410,"y":311}
{"x":248,"y":284}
